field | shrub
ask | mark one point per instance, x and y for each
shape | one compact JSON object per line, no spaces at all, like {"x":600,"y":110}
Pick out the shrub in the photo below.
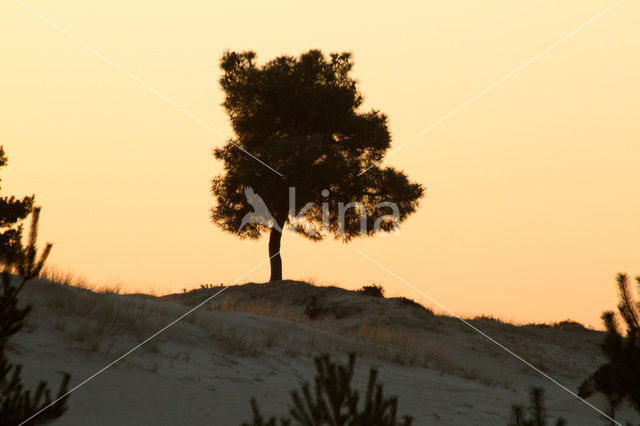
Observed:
{"x":372,"y":290}
{"x":333,"y":402}
{"x":318,"y":308}
{"x":569,"y":325}
{"x":315,"y":309}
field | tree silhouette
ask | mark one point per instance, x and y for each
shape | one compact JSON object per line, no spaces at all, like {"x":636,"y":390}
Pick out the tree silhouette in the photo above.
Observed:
{"x":297,"y":125}
{"x":619,"y":377}
{"x":17,"y":404}
{"x":12,"y":212}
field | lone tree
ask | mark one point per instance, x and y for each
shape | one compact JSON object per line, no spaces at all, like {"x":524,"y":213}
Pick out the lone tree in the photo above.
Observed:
{"x":12,"y":212}
{"x":301,"y":145}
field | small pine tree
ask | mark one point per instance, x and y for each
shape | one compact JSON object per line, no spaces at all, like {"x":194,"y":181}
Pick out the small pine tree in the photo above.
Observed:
{"x":12,"y":212}
{"x":619,"y":377}
{"x":16,"y":403}
{"x":333,"y":402}
{"x":26,"y":262}
{"x":537,"y":413}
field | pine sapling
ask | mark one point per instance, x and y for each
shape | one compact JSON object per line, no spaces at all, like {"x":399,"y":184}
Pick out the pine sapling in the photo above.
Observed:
{"x":17,"y":405}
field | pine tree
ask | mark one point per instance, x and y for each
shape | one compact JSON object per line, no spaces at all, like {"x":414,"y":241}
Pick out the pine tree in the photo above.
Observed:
{"x":619,"y":377}
{"x":333,"y":402}
{"x":12,"y":212}
{"x":297,"y":125}
{"x":16,"y":403}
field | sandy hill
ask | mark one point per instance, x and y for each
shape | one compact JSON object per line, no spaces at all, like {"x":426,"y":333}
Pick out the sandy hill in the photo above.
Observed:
{"x":258,"y":340}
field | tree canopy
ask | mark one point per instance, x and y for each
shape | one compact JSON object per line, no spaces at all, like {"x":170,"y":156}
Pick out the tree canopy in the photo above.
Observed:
{"x":300,"y":117}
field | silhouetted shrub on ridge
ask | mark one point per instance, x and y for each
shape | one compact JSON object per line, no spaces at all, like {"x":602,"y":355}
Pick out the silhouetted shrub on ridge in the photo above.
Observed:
{"x":569,"y":325}
{"x":333,"y":402}
{"x":373,"y":290}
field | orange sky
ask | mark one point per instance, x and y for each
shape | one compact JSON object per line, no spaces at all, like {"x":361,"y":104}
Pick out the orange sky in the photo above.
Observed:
{"x":532,"y":204}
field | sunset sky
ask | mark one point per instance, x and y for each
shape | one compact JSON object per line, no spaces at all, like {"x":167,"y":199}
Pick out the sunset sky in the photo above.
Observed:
{"x":533,"y":190}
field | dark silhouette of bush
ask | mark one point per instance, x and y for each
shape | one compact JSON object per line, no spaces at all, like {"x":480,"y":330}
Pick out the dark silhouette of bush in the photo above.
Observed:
{"x":333,"y":402}
{"x":319,"y":307}
{"x":619,"y":377}
{"x":12,"y":212}
{"x":315,"y":309}
{"x":372,"y":290}
{"x":297,"y":125}
{"x":536,"y":414}
{"x":17,"y":404}
{"x":569,"y":325}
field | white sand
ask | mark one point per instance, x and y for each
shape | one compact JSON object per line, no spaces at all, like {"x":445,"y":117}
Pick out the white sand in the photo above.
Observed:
{"x":205,"y":369}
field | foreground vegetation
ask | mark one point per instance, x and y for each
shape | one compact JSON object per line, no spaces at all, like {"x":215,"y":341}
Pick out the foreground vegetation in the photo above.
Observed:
{"x":619,"y":378}
{"x":17,"y":405}
{"x":332,"y":401}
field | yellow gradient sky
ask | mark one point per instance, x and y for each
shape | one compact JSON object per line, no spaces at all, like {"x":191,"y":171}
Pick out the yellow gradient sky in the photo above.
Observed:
{"x":533,"y":190}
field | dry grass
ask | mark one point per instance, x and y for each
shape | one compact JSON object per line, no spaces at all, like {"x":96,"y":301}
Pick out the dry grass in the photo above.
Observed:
{"x":179,"y":357}
{"x":311,"y":279}
{"x":400,"y":345}
{"x":272,"y":336}
{"x":256,"y":307}
{"x":107,"y":317}
{"x":440,"y":358}
{"x":65,"y":278}
{"x":402,"y":348}
{"x":233,"y":343}
{"x":89,"y":336}
{"x":391,"y":328}
{"x":111,"y":289}
{"x":72,"y":280}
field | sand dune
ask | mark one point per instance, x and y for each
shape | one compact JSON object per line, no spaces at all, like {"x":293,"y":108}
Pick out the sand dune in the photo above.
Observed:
{"x":255,"y":340}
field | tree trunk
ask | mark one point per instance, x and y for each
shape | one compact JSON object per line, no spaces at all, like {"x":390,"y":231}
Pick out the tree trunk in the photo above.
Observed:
{"x":274,"y":255}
